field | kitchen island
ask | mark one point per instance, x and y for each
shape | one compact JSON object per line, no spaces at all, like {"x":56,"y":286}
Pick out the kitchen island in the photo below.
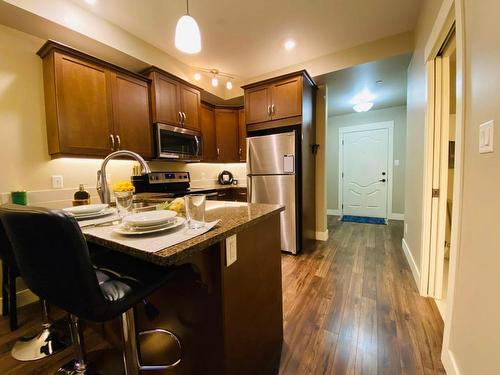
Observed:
{"x":228,"y":316}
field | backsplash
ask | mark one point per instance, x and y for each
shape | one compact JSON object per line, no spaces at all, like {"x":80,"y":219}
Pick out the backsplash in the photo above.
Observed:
{"x":202,"y":175}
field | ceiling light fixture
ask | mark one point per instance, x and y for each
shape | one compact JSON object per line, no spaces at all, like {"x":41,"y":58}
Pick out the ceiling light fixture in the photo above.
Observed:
{"x":91,"y":2}
{"x":289,"y":44}
{"x":197,"y":76}
{"x":363,"y":106}
{"x":215,"y":76}
{"x":215,"y":81}
{"x":187,"y":34}
{"x":229,"y":85}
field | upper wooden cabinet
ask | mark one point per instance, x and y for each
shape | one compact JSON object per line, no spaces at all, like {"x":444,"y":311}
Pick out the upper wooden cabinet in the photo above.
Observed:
{"x":208,"y":133}
{"x":92,"y":107}
{"x":277,"y":101}
{"x":173,"y":101}
{"x":242,"y":132}
{"x":226,"y":130}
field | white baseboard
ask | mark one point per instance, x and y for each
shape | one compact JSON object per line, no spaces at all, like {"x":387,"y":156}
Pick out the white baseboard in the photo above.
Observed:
{"x":449,"y":362}
{"x":322,"y":236}
{"x":411,"y":262}
{"x":395,"y":216}
{"x":24,"y":297}
{"x":333,"y":212}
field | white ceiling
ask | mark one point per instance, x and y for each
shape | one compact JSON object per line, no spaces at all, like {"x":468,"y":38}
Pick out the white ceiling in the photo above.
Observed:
{"x":345,"y":84}
{"x":245,"y":38}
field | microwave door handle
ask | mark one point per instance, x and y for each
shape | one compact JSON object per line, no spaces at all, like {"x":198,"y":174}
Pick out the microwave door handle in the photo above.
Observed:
{"x":197,"y":145}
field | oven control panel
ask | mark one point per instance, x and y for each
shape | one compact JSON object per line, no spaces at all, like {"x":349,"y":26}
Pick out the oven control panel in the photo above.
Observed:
{"x":168,"y":177}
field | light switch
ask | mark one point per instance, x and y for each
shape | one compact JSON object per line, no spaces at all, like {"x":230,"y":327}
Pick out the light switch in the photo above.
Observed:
{"x":486,"y":137}
{"x":231,"y":251}
{"x":396,"y":163}
{"x":57,"y":182}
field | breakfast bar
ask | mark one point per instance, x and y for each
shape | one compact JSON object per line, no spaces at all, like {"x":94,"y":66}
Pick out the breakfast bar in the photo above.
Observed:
{"x":225,"y":302}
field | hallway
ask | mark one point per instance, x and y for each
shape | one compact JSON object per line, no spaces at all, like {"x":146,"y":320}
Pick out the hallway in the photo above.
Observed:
{"x":351,"y":306}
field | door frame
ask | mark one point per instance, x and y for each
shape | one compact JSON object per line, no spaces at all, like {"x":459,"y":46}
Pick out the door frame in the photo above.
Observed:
{"x":451,"y":15}
{"x":389,"y":125}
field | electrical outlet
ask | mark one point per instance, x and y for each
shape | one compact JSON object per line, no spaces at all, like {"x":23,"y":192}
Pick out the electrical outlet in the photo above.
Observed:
{"x":231,"y":251}
{"x":57,"y":182}
{"x":396,"y":163}
{"x":486,"y":137}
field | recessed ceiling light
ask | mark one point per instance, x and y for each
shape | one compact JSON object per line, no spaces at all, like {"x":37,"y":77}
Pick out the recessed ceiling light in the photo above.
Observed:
{"x":197,"y":76}
{"x":91,"y":2}
{"x":289,"y":44}
{"x":379,"y":81}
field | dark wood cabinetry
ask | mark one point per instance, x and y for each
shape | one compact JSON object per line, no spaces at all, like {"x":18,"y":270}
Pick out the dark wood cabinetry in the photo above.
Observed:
{"x":173,"y":101}
{"x":276,"y":102}
{"x":226,"y":130}
{"x":92,"y":107}
{"x":224,"y":134}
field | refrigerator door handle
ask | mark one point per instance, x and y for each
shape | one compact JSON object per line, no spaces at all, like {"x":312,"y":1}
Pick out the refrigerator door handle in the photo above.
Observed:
{"x":249,"y":187}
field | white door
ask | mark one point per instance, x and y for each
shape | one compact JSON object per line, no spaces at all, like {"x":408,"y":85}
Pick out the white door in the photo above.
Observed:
{"x":365,"y":172}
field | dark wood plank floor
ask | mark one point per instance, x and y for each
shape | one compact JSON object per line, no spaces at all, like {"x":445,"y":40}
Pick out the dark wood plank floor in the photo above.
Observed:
{"x":350,"y":307}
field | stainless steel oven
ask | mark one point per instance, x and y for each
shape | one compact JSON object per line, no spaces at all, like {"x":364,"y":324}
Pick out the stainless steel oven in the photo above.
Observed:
{"x":176,"y":143}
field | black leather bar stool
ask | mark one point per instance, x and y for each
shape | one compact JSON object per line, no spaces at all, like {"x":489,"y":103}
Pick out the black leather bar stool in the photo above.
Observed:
{"x":53,"y":259}
{"x":52,"y":337}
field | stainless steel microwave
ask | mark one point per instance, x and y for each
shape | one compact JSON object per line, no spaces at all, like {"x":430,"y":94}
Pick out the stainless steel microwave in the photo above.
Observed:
{"x":176,"y":143}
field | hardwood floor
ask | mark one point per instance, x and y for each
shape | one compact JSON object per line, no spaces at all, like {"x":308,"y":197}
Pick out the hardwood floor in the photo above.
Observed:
{"x":350,"y":307}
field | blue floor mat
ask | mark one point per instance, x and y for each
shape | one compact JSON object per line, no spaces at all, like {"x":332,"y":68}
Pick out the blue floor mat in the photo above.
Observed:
{"x":363,"y":219}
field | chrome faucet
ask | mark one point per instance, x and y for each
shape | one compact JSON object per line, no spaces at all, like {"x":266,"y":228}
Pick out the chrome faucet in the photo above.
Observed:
{"x":102,"y":183}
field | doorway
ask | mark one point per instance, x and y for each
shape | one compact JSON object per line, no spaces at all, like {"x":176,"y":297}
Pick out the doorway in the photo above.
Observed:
{"x":442,"y":170}
{"x":365,"y":169}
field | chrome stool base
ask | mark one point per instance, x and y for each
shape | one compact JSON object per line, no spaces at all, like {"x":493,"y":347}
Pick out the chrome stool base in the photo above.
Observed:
{"x":52,"y":339}
{"x":100,"y":362}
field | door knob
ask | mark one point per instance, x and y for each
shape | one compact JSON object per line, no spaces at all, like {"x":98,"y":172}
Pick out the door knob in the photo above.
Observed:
{"x":382,"y":180}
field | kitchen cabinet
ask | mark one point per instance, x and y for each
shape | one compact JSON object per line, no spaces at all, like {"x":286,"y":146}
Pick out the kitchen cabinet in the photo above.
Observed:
{"x":174,"y":101}
{"x":226,"y":130}
{"x":93,"y":107}
{"x":276,"y":102}
{"x":242,"y":135}
{"x":208,"y":133}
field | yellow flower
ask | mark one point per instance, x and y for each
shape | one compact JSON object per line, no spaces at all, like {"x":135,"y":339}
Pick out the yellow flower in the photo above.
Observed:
{"x":123,"y":186}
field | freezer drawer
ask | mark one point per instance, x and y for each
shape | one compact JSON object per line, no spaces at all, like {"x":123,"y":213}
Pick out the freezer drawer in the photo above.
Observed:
{"x":271,"y":154}
{"x":278,"y":189}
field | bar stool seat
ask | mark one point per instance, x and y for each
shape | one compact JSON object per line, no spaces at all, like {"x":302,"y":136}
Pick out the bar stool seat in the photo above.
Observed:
{"x":53,"y":259}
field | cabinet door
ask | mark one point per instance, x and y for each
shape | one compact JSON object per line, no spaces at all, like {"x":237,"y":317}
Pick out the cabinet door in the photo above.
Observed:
{"x":84,"y":112}
{"x":132,"y":124}
{"x":287,"y":98}
{"x":242,"y":132}
{"x":190,"y":106}
{"x":257,"y":104}
{"x":226,"y":130}
{"x":208,"y":134}
{"x":166,"y":100}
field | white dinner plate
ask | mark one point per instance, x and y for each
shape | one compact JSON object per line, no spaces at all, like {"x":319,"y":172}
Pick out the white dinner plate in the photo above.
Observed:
{"x":149,"y":218}
{"x":85,"y":209}
{"x":123,"y":229}
{"x":94,"y":215}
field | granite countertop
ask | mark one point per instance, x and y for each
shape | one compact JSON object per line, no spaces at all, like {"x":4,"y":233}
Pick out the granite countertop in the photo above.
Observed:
{"x":234,"y":218}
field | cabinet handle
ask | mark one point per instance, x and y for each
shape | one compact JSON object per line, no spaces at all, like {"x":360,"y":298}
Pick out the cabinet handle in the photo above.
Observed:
{"x":269,"y":110}
{"x":218,"y":152}
{"x":119,"y":141}
{"x":239,"y":152}
{"x":179,"y":117}
{"x":112,"y":137}
{"x":184,"y":117}
{"x":272,"y":110}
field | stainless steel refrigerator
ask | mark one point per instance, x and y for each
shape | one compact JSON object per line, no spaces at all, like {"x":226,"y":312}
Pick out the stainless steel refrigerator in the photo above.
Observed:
{"x":273,"y":177}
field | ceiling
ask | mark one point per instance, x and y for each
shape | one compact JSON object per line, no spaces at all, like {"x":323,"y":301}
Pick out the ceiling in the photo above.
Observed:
{"x":344,"y":85}
{"x":245,"y":38}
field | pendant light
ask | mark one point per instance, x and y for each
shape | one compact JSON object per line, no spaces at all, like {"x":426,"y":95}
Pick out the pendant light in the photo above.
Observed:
{"x":187,"y":34}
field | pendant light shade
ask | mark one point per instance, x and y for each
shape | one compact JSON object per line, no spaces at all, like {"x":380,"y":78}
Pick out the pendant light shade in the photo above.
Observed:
{"x":187,"y":34}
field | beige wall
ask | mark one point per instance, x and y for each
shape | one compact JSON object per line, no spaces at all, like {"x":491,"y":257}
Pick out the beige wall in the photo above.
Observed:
{"x":321,"y":182}
{"x":415,"y":129}
{"x":475,"y":324}
{"x":396,"y":114}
